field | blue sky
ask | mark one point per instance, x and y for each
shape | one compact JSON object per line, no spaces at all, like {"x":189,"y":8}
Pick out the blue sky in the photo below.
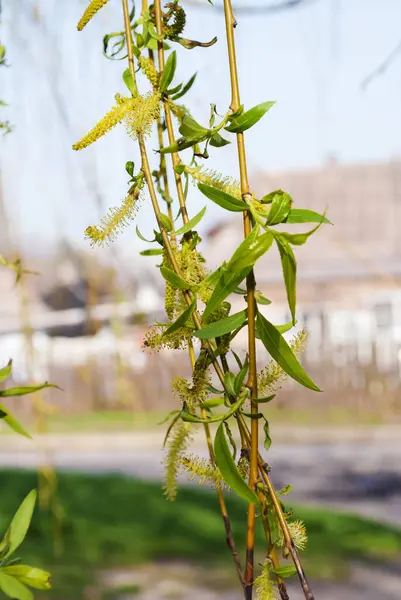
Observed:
{"x":310,"y":60}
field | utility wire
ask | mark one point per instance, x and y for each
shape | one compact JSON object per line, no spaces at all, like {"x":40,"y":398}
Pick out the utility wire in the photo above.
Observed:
{"x":276,"y":7}
{"x":382,"y":68}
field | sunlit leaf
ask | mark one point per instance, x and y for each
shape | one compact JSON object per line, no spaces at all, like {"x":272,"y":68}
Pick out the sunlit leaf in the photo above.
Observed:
{"x":14,"y":588}
{"x":182,"y":319}
{"x":174,"y":279}
{"x":219,"y":328}
{"x":303,"y":215}
{"x":285,"y":571}
{"x":280,"y":208}
{"x":12,"y":422}
{"x":186,"y":88}
{"x":289,"y":266}
{"x":20,"y":524}
{"x":223,"y":199}
{"x":5,"y":372}
{"x":249,"y":118}
{"x":31,"y":576}
{"x":191,"y":223}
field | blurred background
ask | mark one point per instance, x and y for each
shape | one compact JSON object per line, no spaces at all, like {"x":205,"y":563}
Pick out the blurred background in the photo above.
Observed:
{"x":333,"y":141}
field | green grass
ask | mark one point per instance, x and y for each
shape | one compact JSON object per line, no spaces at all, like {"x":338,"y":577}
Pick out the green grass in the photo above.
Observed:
{"x":114,"y":521}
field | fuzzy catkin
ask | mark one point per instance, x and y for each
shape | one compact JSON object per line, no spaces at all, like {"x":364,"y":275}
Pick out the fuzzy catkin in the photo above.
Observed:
{"x":176,"y":447}
{"x":90,"y":11}
{"x":265,"y":587}
{"x":109,"y":121}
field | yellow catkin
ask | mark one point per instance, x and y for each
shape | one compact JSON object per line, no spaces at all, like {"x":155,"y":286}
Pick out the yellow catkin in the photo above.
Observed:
{"x":265,"y":587}
{"x":271,"y":378}
{"x":202,"y":469}
{"x":114,"y":222}
{"x":176,"y":447}
{"x":90,"y":11}
{"x":140,"y":119}
{"x":149,"y":70}
{"x":110,"y":120}
{"x":226,"y":184}
{"x":298,"y":533}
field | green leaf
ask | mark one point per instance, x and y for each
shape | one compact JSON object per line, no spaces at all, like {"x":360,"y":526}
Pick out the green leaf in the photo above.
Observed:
{"x":186,"y":88}
{"x":22,"y":391}
{"x":35,"y":578}
{"x":229,"y":383}
{"x":174,"y":90}
{"x":168,"y":71}
{"x":240,"y":378}
{"x":129,"y":82}
{"x":166,"y":222}
{"x":129,"y":167}
{"x":224,"y":200}
{"x":212,"y":402}
{"x":187,"y":416}
{"x":280,"y":208}
{"x":5,"y":372}
{"x":13,"y":588}
{"x":281,"y":352}
{"x":230,"y":438}
{"x":20,"y":524}
{"x":303,"y":215}
{"x":274,"y":526}
{"x":285,"y":490}
{"x":191,"y":223}
{"x":13,"y":423}
{"x":268,"y":441}
{"x":141,"y":237}
{"x":151,"y":252}
{"x":260,"y":298}
{"x":227,"y":282}
{"x":298,"y":239}
{"x":190,"y":128}
{"x":182,"y":144}
{"x":217,"y":141}
{"x":182,"y":319}
{"x":289,"y":266}
{"x":285,"y":571}
{"x":250,"y":250}
{"x":265,"y":399}
{"x":249,"y":118}
{"x":228,"y":469}
{"x":174,"y":279}
{"x":219,"y":328}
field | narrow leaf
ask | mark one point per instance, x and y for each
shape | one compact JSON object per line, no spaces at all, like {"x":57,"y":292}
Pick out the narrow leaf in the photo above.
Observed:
{"x":281,"y":352}
{"x":141,"y":237}
{"x":231,"y":439}
{"x":5,"y":372}
{"x":182,"y":319}
{"x":249,"y":118}
{"x":260,"y":298}
{"x":22,"y":391}
{"x":129,"y":82}
{"x":186,"y":88}
{"x":229,"y":383}
{"x":228,"y":469}
{"x":224,"y":200}
{"x":31,"y":576}
{"x":289,"y":266}
{"x":12,"y":422}
{"x":265,"y":399}
{"x":165,"y":221}
{"x":20,"y":524}
{"x":212,"y":403}
{"x":13,"y":588}
{"x":217,"y":141}
{"x":181,"y":144}
{"x":187,"y":416}
{"x":168,"y":71}
{"x":285,"y":571}
{"x":219,"y":328}
{"x":174,"y":279}
{"x":268,"y":441}
{"x":303,"y":215}
{"x":191,"y":223}
{"x":226,"y":284}
{"x":298,"y":239}
{"x":151,"y":252}
{"x":280,"y":208}
{"x":250,"y":250}
{"x":190,"y":128}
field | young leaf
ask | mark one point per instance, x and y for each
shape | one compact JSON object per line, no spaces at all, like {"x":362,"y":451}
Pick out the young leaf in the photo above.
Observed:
{"x":22,"y":391}
{"x":182,"y":319}
{"x":187,"y":416}
{"x":5,"y":372}
{"x":303,"y":215}
{"x":165,"y":221}
{"x":268,"y":441}
{"x":280,"y":208}
{"x":217,"y":141}
{"x":186,"y":88}
{"x":281,"y":352}
{"x":129,"y":82}
{"x":141,"y":237}
{"x":190,"y":128}
{"x":151,"y":252}
{"x":191,"y":223}
{"x":266,"y":399}
{"x":182,"y":144}
{"x":285,"y":571}
{"x":229,"y":383}
{"x":219,"y":328}
{"x":227,"y":282}
{"x":289,"y":266}
{"x":13,"y":423}
{"x":260,"y":298}
{"x":212,"y":403}
{"x":249,"y":118}
{"x":168,"y":71}
{"x":174,"y":279}
{"x":230,"y":438}
{"x":31,"y":576}
{"x":298,"y":239}
{"x":250,"y":250}
{"x":228,"y":469}
{"x":224,"y":200}
{"x":13,"y":588}
{"x":240,"y":378}
{"x":19,"y":525}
